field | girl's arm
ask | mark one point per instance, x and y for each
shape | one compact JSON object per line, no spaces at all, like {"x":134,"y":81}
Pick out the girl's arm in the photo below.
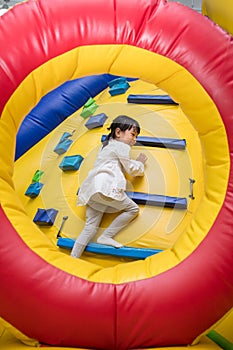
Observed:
{"x":131,"y":166}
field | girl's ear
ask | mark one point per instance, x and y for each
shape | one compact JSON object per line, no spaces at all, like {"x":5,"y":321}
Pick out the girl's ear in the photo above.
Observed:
{"x":117,"y":132}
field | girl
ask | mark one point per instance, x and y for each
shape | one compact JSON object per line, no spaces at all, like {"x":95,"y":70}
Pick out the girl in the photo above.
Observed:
{"x":104,"y":188}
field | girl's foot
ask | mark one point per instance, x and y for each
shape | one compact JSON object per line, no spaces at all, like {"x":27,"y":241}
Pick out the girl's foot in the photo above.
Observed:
{"x":109,"y":241}
{"x":74,"y":256}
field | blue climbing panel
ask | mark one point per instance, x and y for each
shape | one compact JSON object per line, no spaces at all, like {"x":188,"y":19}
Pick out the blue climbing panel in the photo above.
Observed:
{"x":158,"y":200}
{"x":157,"y":142}
{"x":126,"y":252}
{"x":151,"y":99}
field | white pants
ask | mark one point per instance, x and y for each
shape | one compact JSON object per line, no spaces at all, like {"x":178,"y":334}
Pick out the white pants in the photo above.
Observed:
{"x":95,"y":209}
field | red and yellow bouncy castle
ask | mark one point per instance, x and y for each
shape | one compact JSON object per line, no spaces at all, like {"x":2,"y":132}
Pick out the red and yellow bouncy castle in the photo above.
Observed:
{"x":168,"y":299}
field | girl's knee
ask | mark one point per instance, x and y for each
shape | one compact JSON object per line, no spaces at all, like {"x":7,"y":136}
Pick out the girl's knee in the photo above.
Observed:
{"x":135,"y":210}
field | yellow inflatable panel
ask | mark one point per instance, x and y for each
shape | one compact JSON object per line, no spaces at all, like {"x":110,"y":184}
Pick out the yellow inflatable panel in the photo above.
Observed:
{"x":167,"y":173}
{"x":9,"y":342}
{"x":220,"y":12}
{"x":225,"y":327}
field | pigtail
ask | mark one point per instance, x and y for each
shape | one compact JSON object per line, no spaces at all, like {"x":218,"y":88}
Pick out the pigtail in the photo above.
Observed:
{"x":106,"y":141}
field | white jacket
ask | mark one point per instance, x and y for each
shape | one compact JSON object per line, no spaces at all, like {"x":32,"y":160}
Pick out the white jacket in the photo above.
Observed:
{"x":107,"y":176}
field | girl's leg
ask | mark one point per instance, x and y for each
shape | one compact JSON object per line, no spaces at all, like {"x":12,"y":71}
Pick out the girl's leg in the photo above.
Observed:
{"x":93,"y":218}
{"x":130,"y":211}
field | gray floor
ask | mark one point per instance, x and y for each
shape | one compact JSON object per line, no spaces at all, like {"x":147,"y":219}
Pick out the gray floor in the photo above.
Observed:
{"x":195,"y":4}
{"x":4,"y":4}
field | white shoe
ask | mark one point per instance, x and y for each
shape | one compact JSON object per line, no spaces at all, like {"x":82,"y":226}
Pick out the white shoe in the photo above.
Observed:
{"x":109,"y":241}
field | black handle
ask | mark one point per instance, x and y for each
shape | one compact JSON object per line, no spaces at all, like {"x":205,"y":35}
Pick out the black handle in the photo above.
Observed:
{"x":191,"y":183}
{"x":62,"y":224}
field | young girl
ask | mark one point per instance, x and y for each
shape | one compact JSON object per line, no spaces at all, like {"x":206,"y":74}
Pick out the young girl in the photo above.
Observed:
{"x":103,"y":191}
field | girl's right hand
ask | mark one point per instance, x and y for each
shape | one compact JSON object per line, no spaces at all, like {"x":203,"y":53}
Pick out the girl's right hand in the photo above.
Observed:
{"x":142,"y":158}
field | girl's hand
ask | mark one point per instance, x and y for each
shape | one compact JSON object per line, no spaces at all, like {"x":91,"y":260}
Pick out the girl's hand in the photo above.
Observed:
{"x":142,"y":158}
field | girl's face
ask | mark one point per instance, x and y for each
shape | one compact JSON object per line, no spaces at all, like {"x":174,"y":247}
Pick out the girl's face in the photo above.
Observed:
{"x":128,"y":136}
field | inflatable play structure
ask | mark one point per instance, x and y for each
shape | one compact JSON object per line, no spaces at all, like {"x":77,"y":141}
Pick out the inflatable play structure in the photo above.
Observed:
{"x":66,"y":70}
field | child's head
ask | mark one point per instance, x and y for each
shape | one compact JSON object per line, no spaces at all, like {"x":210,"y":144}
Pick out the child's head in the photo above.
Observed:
{"x":123,"y":122}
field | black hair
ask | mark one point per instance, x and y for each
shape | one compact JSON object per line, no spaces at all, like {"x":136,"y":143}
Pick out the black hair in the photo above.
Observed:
{"x":123,"y":122}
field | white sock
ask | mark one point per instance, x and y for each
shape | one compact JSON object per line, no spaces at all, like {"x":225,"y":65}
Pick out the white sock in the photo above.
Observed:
{"x":109,"y":241}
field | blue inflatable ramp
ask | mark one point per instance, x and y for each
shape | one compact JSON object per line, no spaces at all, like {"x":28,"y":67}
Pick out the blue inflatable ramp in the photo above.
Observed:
{"x":151,"y":99}
{"x":125,"y":252}
{"x":148,"y":141}
{"x":158,"y":200}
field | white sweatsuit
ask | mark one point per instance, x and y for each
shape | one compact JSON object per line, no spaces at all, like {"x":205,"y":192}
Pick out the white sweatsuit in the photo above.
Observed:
{"x":104,"y":191}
